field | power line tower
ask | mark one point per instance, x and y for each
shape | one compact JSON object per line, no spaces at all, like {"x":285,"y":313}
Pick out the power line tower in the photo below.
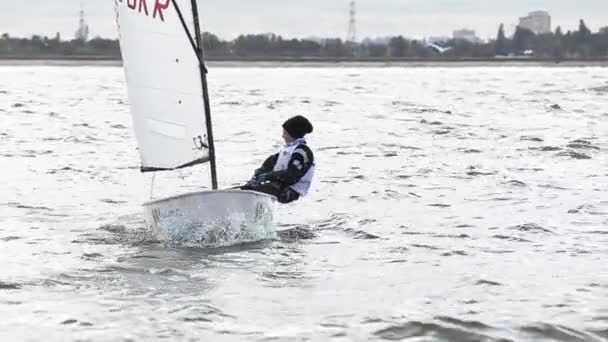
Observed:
{"x":351,"y":36}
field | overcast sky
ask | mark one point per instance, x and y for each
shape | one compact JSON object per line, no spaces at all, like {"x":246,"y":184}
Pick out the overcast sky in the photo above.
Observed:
{"x":303,"y":18}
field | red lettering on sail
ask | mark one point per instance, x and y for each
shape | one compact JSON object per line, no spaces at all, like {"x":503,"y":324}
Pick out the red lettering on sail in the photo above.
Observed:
{"x":142,"y":4}
{"x":159,"y":8}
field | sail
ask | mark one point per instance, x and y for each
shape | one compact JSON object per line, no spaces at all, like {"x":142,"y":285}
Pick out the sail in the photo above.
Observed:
{"x":163,"y":83}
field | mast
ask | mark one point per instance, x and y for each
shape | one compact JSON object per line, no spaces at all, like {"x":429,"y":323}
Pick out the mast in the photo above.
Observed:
{"x":203,"y":71}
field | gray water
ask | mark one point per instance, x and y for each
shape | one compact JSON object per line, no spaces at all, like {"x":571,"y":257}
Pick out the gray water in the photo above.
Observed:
{"x":450,"y":204}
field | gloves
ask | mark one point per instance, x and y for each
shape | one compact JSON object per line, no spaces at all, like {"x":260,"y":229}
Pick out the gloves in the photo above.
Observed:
{"x":259,"y":178}
{"x":262,"y":178}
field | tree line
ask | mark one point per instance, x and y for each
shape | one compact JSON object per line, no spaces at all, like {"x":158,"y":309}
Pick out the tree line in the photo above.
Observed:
{"x":579,"y":44}
{"x":45,"y":47}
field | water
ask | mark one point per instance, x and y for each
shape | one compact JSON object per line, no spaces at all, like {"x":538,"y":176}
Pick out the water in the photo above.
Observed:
{"x":460,"y":204}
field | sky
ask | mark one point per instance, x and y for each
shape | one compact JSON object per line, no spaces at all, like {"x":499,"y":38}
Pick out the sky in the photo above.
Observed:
{"x":308,"y":18}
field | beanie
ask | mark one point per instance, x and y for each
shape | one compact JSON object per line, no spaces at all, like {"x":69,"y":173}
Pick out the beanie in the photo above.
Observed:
{"x":298,"y":126}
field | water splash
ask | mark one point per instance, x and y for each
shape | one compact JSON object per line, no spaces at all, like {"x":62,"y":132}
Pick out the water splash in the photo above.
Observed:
{"x":235,"y":228}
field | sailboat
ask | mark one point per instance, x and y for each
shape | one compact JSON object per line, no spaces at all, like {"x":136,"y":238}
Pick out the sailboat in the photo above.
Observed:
{"x":166,"y":75}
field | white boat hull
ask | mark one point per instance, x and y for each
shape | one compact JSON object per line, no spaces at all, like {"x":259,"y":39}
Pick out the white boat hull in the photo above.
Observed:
{"x":212,"y":218}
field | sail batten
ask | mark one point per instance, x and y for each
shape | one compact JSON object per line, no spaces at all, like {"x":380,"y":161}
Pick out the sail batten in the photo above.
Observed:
{"x":163,"y":84}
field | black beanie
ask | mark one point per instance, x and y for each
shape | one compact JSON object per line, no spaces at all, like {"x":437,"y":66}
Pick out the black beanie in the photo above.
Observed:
{"x":298,"y":127}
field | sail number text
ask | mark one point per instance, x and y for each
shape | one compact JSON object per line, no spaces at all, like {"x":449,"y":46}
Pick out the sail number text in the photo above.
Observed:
{"x":142,"y":7}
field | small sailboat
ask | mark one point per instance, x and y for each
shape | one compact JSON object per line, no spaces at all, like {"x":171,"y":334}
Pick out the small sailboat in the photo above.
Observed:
{"x":165,"y":70}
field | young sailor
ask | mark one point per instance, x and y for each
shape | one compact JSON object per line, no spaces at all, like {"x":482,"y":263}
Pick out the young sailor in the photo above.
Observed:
{"x":288,"y":174}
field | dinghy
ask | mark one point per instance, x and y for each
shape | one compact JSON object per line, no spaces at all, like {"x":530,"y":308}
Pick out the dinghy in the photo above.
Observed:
{"x":166,"y":76}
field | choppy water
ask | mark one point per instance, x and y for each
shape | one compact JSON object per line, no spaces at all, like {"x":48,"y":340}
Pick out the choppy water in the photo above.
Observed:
{"x":451,"y":204}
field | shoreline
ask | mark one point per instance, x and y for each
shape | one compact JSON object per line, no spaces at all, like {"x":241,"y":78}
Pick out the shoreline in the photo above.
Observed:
{"x":317,"y":62}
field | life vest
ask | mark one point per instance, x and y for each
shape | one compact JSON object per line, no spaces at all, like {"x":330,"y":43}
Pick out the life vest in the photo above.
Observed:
{"x":303,"y":185}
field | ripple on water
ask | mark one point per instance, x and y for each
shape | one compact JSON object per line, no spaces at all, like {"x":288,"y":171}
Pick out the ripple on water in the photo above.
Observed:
{"x":474,"y":173}
{"x":361,"y":234}
{"x":30,"y":207}
{"x":487,"y":282}
{"x":551,"y":186}
{"x":600,"y":89}
{"x":516,"y":183}
{"x":296,"y":234}
{"x":455,"y":253}
{"x":442,"y":131}
{"x":468,"y":150}
{"x":432,"y":123}
{"x":423,"y":246}
{"x":9,"y":286}
{"x":444,"y":331}
{"x":555,"y":107}
{"x":546,"y":148}
{"x":510,"y":238}
{"x":530,"y":228}
{"x":333,"y":222}
{"x":585,"y":209}
{"x":91,"y":256}
{"x":10,"y":238}
{"x":439,"y":205}
{"x":573,"y":155}
{"x":465,"y":324}
{"x":580,"y":144}
{"x":557,"y":333}
{"x":529,"y":138}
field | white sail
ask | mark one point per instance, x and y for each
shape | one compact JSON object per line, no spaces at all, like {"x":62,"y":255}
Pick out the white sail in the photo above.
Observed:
{"x":163,"y":82}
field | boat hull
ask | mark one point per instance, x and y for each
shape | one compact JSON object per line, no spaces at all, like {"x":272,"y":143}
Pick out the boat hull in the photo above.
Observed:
{"x":212,"y":218}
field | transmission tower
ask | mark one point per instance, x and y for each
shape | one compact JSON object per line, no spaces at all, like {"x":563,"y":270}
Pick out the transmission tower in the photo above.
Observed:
{"x":351,"y":36}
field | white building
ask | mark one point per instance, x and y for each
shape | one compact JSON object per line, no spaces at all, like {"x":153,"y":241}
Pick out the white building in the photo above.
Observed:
{"x":82,"y":33}
{"x":466,"y":34}
{"x":538,"y":22}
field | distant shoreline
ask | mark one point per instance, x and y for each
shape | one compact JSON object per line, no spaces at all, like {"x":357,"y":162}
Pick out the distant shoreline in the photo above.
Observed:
{"x":313,"y":62}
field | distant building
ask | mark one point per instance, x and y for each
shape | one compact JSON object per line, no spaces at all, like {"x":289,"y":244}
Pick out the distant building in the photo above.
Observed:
{"x":82,"y":33}
{"x":377,"y":40}
{"x":538,"y":22}
{"x":466,"y":34}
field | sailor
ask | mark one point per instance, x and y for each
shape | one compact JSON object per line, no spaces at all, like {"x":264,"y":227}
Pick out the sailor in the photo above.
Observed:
{"x":288,"y":174}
